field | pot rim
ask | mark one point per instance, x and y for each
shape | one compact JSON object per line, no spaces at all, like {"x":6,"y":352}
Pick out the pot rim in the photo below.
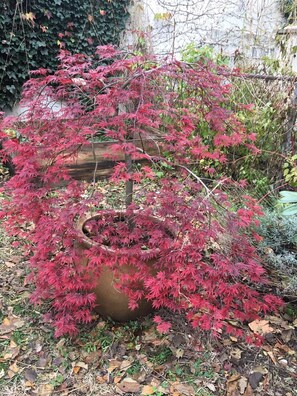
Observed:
{"x":90,"y":243}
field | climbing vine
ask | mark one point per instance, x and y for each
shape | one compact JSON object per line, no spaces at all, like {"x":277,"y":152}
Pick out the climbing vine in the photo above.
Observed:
{"x":289,"y":9}
{"x":32,"y":32}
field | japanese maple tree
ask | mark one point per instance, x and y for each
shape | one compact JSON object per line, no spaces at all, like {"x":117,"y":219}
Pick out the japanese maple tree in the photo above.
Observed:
{"x":207,"y":267}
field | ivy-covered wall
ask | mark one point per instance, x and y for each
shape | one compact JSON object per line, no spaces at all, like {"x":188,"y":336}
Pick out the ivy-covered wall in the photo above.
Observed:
{"x":33,"y":31}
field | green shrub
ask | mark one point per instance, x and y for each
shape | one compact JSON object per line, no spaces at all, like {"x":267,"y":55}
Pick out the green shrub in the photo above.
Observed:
{"x":279,"y":248}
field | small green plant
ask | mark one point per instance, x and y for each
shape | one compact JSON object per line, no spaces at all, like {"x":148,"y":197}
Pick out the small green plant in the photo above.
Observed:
{"x":57,"y":381}
{"x":291,"y":311}
{"x":134,"y":369}
{"x":19,"y":337}
{"x":161,"y":356}
{"x":200,"y":371}
{"x":90,"y":347}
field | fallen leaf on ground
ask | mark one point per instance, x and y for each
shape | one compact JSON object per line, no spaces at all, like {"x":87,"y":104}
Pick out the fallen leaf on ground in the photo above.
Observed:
{"x":232,"y":389}
{"x":272,"y":357}
{"x":182,"y":389}
{"x":236,"y":353}
{"x":45,"y":390}
{"x":179,"y":353}
{"x":147,"y":390}
{"x":232,"y":385}
{"x":102,"y":379}
{"x":242,"y":384}
{"x":284,"y":348}
{"x":118,"y":378}
{"x":10,"y":324}
{"x":261,"y":327}
{"x":30,"y":375}
{"x":79,"y":365}
{"x":277,"y":320}
{"x":113,"y":364}
{"x":125,"y":364}
{"x":211,"y":387}
{"x":76,"y":369}
{"x":13,"y":370}
{"x":29,"y":384}
{"x":9,"y":264}
{"x":11,"y":352}
{"x":248,"y":391}
{"x":255,"y":378}
{"x":129,"y":385}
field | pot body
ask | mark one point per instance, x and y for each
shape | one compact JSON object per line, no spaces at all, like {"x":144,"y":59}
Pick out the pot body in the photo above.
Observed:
{"x":110,"y":302}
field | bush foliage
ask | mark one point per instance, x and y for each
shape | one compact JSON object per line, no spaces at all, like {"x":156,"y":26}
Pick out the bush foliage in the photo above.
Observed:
{"x":208,"y":269}
{"x":280,"y":238}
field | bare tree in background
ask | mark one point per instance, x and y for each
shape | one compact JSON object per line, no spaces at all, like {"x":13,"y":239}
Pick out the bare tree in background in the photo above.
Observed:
{"x":230,"y":26}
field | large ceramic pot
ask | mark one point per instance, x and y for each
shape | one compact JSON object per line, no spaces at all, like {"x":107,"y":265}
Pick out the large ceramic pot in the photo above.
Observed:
{"x":110,"y":302}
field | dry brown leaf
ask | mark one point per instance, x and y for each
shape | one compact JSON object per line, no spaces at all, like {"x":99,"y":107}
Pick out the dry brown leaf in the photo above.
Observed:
{"x":60,"y":343}
{"x":10,"y":324}
{"x":118,"y":379}
{"x":81,"y":365}
{"x":182,"y":389}
{"x":260,"y":327}
{"x":12,"y":370}
{"x":232,"y":389}
{"x":9,"y":264}
{"x":242,"y":384}
{"x":248,"y":391}
{"x":234,"y":377}
{"x":179,"y":353}
{"x":29,"y":384}
{"x":260,"y":369}
{"x":279,"y":322}
{"x":211,"y":387}
{"x":232,"y":385}
{"x":272,"y":357}
{"x":102,"y":380}
{"x":28,"y":16}
{"x":45,"y":390}
{"x":236,"y":353}
{"x":113,"y":364}
{"x":129,"y":385}
{"x":12,"y":351}
{"x":76,"y":369}
{"x":284,"y":348}
{"x":30,"y":375}
{"x":148,"y":390}
{"x":126,"y":364}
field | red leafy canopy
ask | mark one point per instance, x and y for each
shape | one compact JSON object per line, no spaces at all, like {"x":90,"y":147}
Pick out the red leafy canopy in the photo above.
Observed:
{"x":206,"y":266}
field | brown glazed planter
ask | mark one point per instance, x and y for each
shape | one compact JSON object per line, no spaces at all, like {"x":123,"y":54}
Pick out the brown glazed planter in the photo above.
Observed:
{"x":110,"y":302}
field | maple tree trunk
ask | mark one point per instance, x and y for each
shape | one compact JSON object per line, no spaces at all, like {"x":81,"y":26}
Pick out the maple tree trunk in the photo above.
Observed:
{"x":129,"y":183}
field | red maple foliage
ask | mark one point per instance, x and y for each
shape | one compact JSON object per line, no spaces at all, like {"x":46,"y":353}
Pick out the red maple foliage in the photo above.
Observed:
{"x":207,"y":266}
